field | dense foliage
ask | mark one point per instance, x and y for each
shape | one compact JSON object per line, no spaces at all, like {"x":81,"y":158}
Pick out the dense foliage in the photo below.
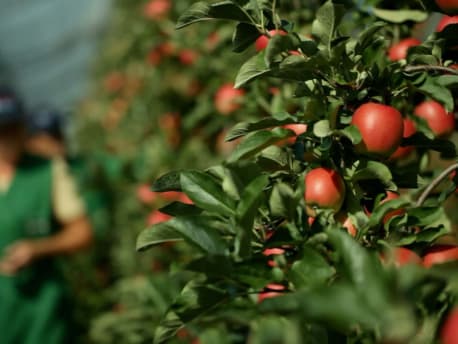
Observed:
{"x":318,"y":233}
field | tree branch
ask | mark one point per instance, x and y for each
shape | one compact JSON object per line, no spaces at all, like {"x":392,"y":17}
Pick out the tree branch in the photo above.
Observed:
{"x":435,"y":183}
{"x":428,"y":68}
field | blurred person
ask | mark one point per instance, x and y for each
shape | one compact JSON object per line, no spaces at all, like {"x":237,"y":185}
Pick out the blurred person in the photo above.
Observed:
{"x":37,"y":197}
{"x":46,"y":138}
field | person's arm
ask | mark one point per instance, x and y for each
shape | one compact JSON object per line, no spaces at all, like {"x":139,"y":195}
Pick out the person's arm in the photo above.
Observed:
{"x":75,"y":234}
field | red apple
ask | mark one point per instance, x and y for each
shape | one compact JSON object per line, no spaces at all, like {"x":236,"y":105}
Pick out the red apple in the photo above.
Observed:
{"x":449,"y":330}
{"x":157,"y":9}
{"x":440,"y":254}
{"x":441,"y":122}
{"x":156,"y":217}
{"x":446,"y":20}
{"x":409,"y":130}
{"x":228,"y":99}
{"x":262,"y":41}
{"x":398,"y":51}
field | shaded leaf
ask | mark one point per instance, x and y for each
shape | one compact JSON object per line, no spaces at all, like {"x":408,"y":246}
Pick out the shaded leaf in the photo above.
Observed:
{"x":206,"y":193}
{"x":220,"y":10}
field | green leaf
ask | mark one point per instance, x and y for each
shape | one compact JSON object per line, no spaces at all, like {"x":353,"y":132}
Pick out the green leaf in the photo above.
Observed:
{"x":279,"y":44}
{"x":322,"y":128}
{"x":352,"y":133}
{"x":366,"y":38}
{"x":400,"y":16}
{"x":339,"y":306}
{"x":195,"y":300}
{"x":433,"y":88}
{"x":198,"y":231}
{"x":160,"y":233}
{"x":246,"y":212}
{"x":361,"y":268}
{"x":282,"y":201}
{"x":243,"y":128}
{"x":256,"y":142}
{"x":221,"y":10}
{"x":373,"y":170}
{"x":274,"y":329}
{"x":327,"y":19}
{"x":298,"y":68}
{"x":206,"y":193}
{"x":311,"y":270}
{"x":382,"y":209}
{"x":179,"y":208}
{"x":250,"y":70}
{"x":244,"y":37}
{"x":420,"y":140}
{"x":168,"y":182}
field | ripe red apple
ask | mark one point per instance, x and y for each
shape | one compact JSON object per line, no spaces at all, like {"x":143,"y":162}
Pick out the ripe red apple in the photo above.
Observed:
{"x":228,"y":99}
{"x":409,"y":130}
{"x":346,"y":222}
{"x":262,"y":41}
{"x":224,"y":147}
{"x":154,"y":57}
{"x":448,"y":6}
{"x":449,"y":330}
{"x":145,"y":194}
{"x":114,"y":82}
{"x":156,"y":217}
{"x":188,"y":57}
{"x":298,"y":129}
{"x":446,"y":20}
{"x":405,"y":256}
{"x":441,"y":123}
{"x":324,"y":188}
{"x":381,"y":127}
{"x":390,"y":195}
{"x":399,"y":50}
{"x":157,"y":9}
{"x":272,"y":290}
{"x":272,"y":252}
{"x":440,"y":254}
{"x":400,"y":256}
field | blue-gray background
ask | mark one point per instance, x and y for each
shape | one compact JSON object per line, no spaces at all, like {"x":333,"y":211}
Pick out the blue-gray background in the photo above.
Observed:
{"x":48,"y":47}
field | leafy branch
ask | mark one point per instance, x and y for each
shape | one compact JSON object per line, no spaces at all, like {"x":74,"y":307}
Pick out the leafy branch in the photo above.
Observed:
{"x":435,"y":183}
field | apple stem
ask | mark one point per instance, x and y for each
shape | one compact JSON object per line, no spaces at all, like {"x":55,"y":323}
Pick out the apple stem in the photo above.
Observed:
{"x":435,"y":183}
{"x":430,"y":68}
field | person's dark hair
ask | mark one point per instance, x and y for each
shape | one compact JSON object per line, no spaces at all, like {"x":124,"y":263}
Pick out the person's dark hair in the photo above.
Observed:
{"x":46,"y":120}
{"x":11,"y":108}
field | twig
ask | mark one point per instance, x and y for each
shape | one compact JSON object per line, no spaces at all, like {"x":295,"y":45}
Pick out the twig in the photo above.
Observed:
{"x":435,"y":183}
{"x":430,"y":68}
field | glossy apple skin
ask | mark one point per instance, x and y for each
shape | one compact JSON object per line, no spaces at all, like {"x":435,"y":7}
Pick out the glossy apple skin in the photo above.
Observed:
{"x":273,"y":291}
{"x":298,"y":129}
{"x":381,"y":127}
{"x":399,"y":50}
{"x":324,"y":188}
{"x":440,"y":254}
{"x":405,"y":256}
{"x":157,"y":9}
{"x":157,"y":217}
{"x":409,"y":130}
{"x":390,"y":196}
{"x":449,"y":330}
{"x":346,"y":222}
{"x":441,"y":122}
{"x":227,"y":99}
{"x":446,"y":20}
{"x":262,"y":41}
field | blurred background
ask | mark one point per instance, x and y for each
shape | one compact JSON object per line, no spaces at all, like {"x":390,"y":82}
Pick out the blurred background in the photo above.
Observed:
{"x":132,"y":98}
{"x":135,"y":99}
